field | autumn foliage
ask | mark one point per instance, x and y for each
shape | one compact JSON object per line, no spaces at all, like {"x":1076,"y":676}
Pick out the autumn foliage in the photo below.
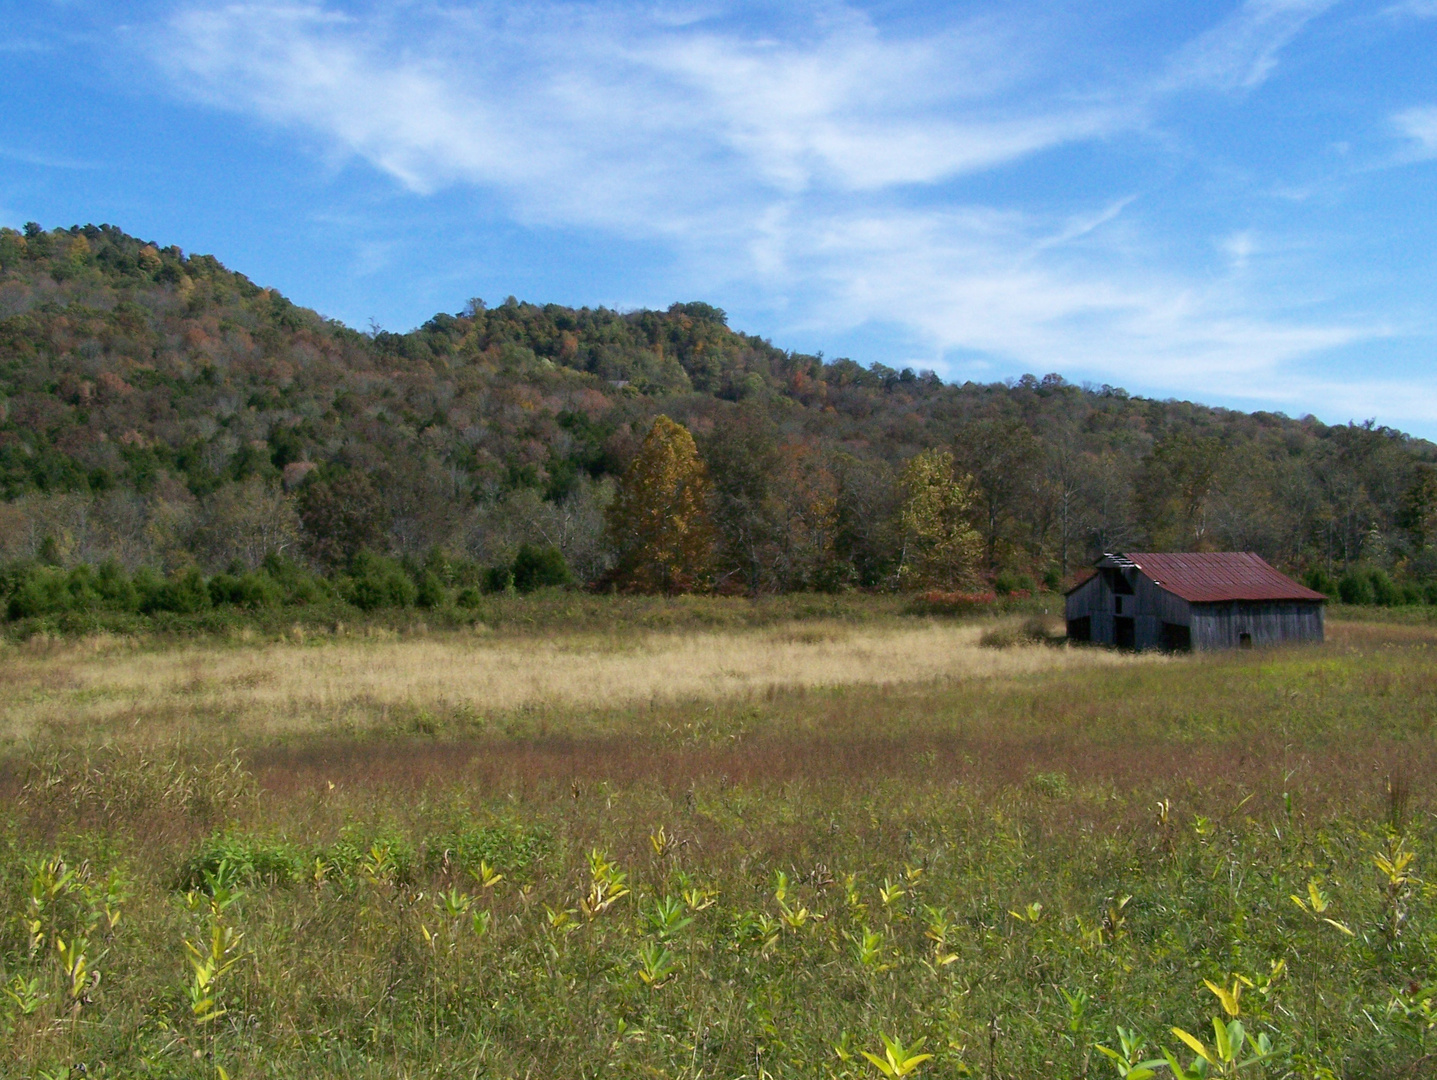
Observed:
{"x":163,"y":412}
{"x":941,"y":548}
{"x":659,"y":521}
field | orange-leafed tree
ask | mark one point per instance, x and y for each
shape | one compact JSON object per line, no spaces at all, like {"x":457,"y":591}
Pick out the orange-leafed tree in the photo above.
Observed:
{"x":659,"y":519}
{"x":810,"y":518}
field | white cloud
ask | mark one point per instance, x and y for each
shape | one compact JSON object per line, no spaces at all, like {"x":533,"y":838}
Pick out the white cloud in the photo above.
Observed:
{"x":1420,"y":126}
{"x":805,"y":165}
{"x":1420,"y":9}
{"x":620,"y":117}
{"x":990,"y":282}
{"x":1242,"y":51}
{"x":1238,"y":247}
{"x":43,"y":160}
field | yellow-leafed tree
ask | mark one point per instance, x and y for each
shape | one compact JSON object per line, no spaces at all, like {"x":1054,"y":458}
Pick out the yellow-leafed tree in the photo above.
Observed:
{"x":659,"y":520}
{"x":940,"y":546}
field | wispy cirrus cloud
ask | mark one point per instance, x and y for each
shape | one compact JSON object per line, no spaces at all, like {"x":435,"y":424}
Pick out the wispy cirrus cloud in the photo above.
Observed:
{"x":1419,"y":127}
{"x":44,"y":160}
{"x":815,"y":164}
{"x":1242,"y":51}
{"x":556,"y":95}
{"x":1419,"y":9}
{"x":992,"y":282}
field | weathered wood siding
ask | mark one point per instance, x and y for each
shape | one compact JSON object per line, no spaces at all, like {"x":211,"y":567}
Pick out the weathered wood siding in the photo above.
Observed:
{"x":1086,"y":601}
{"x":1157,"y":606}
{"x":1148,"y":605}
{"x":1273,"y":622}
{"x":1153,"y":610}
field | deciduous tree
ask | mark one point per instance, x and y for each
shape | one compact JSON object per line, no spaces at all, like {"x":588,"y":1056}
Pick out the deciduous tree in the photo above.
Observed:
{"x":747,"y":508}
{"x":659,"y":520}
{"x":940,"y":546}
{"x":244,"y":522}
{"x":1003,"y":458}
{"x":342,"y":516}
{"x":1175,"y":488}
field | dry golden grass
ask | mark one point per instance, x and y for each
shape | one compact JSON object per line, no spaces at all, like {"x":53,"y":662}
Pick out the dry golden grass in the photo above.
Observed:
{"x":104,"y":688}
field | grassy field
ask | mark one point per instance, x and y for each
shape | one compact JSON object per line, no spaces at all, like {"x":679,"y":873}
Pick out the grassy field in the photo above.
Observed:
{"x":715,"y":843}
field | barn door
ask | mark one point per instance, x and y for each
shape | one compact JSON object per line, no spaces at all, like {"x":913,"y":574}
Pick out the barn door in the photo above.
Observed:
{"x":1177,"y":637}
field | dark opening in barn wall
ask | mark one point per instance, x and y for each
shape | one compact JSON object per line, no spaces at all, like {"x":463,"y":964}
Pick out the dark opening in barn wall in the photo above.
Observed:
{"x":1080,"y":629}
{"x":1177,"y":638}
{"x":1117,"y":582}
{"x":1124,"y":634}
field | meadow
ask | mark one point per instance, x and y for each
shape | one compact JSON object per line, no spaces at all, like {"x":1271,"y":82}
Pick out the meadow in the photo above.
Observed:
{"x":710,"y":843}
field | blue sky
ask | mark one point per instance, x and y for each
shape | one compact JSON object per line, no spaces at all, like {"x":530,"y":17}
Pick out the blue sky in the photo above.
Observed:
{"x":1234,"y":203}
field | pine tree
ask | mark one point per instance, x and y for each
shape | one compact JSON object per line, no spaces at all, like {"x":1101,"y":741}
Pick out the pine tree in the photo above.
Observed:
{"x":940,"y":545}
{"x":659,"y":521}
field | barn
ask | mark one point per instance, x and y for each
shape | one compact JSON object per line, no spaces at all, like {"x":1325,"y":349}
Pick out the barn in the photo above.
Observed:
{"x":1191,"y":600}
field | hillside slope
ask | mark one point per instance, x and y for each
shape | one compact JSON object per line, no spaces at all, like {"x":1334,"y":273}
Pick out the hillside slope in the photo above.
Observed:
{"x":160,"y":409}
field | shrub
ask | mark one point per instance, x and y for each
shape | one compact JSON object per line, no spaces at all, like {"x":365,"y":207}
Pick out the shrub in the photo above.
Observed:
{"x":1031,"y":632}
{"x":1355,"y":588}
{"x":469,"y":598}
{"x":222,"y":589}
{"x":498,"y":579}
{"x":81,"y":585}
{"x":115,"y":587}
{"x":1320,"y":580}
{"x":1385,"y":591}
{"x":509,"y":848}
{"x":36,"y":590}
{"x":256,"y":590}
{"x":540,"y":566}
{"x":297,"y":584}
{"x":430,"y":590}
{"x":1005,"y":582}
{"x":42,"y":591}
{"x":378,"y":590}
{"x":379,"y":582}
{"x":357,"y":846}
{"x":148,"y":585}
{"x":184,"y":594}
{"x":263,"y":861}
{"x":250,"y":859}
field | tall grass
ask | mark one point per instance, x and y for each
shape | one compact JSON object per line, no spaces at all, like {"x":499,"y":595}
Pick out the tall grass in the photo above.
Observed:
{"x":310,"y":685}
{"x":767,"y":880}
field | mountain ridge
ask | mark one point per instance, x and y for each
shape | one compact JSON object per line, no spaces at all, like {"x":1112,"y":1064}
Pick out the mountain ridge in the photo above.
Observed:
{"x":144,"y":390}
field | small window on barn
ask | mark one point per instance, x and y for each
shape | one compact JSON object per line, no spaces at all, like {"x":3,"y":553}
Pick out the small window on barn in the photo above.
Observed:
{"x":1117,"y":605}
{"x":1244,"y":640}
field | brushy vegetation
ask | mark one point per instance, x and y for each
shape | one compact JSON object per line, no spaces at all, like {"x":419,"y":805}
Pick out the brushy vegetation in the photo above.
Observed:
{"x":160,"y":410}
{"x":1019,"y":875}
{"x":533,"y":591}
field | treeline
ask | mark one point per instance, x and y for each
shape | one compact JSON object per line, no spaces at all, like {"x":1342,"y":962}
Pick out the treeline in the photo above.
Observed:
{"x":662,"y":532}
{"x":160,"y":411}
{"x":369,"y":582}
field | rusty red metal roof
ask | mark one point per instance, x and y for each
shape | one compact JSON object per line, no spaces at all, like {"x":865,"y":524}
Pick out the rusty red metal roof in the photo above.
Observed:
{"x":1210,"y":576}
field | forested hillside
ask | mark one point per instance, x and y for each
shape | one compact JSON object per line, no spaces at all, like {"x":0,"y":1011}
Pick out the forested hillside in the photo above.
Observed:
{"x":159,"y":410}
